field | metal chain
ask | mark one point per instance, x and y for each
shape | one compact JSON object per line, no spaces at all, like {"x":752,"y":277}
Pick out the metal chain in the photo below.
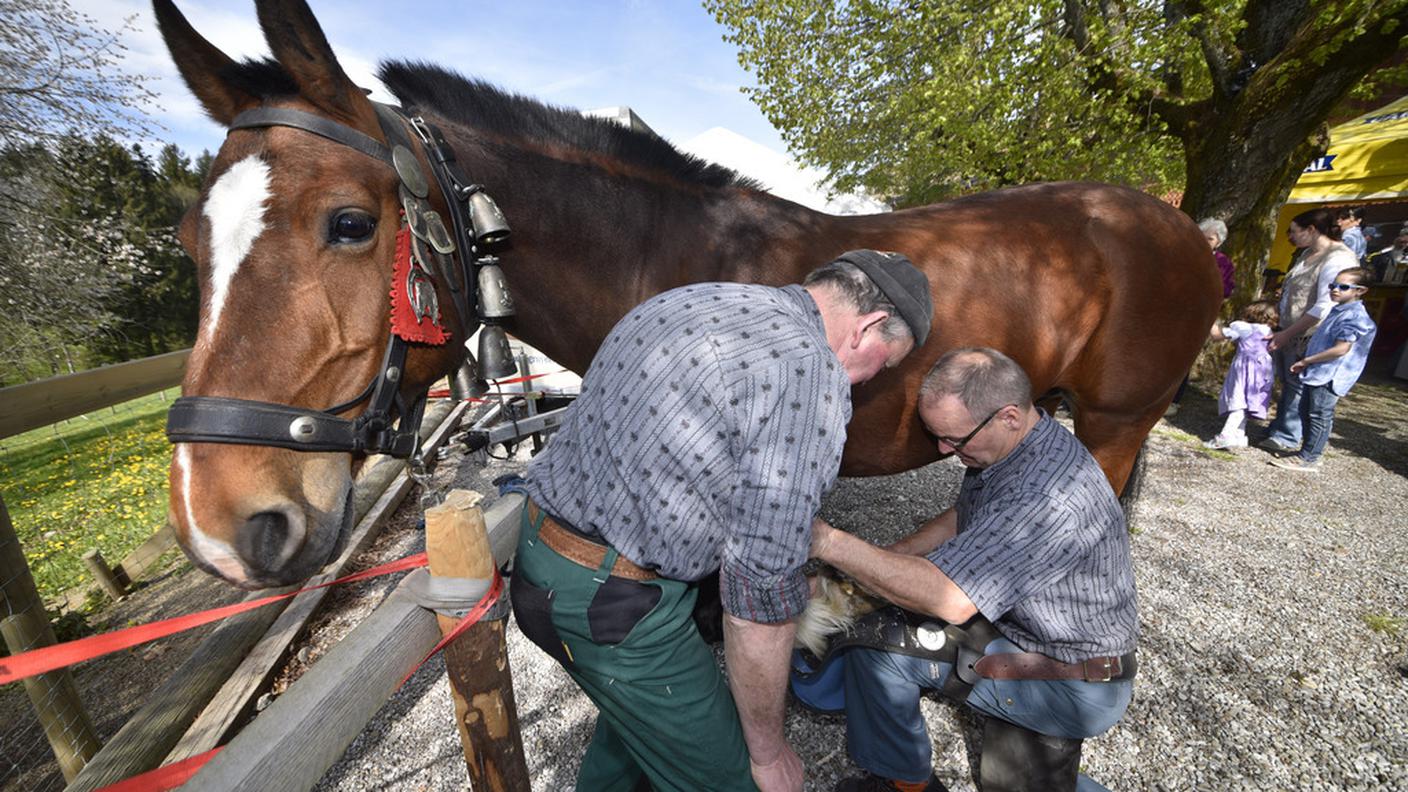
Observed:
{"x":423,"y":475}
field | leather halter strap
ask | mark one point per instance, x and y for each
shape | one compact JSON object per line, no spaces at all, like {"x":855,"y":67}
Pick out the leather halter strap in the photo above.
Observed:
{"x":310,"y":122}
{"x":216,"y":419}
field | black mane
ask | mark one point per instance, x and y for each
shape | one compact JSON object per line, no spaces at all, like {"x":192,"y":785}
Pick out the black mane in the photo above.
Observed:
{"x":483,"y":106}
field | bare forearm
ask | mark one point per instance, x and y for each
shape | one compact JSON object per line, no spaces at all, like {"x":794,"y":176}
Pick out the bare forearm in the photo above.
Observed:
{"x":757,"y":657}
{"x":910,"y":581}
{"x":1340,"y":349}
{"x":1299,"y":326}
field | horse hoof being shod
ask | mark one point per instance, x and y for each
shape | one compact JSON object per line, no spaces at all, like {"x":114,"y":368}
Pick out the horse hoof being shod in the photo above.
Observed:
{"x":320,"y":202}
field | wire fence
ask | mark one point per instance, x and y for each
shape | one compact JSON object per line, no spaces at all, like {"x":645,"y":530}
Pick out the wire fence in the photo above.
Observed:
{"x":96,"y":482}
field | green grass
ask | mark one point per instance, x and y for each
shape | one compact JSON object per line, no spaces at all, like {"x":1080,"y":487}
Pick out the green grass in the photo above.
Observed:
{"x":1188,"y":439}
{"x":1382,"y":623}
{"x":93,"y":482}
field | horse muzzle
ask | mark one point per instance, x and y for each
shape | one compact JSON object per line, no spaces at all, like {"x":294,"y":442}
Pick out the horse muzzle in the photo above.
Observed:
{"x":257,"y":520}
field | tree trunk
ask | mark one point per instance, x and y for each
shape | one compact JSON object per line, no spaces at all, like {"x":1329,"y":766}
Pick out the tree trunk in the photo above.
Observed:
{"x":1245,"y":148}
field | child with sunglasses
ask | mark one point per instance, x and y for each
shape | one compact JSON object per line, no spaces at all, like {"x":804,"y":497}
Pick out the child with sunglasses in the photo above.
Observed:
{"x":1332,"y":364}
{"x":1247,"y":388}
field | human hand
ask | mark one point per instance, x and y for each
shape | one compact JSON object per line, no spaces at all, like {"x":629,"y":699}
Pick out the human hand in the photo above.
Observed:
{"x":783,"y":774}
{"x":1277,"y":341}
{"x":1298,"y":366}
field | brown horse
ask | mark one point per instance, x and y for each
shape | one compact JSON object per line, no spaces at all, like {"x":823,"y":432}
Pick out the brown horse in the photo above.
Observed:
{"x":1102,"y":293}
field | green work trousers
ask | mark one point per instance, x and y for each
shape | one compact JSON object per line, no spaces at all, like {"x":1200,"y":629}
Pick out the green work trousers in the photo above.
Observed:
{"x":664,"y":708}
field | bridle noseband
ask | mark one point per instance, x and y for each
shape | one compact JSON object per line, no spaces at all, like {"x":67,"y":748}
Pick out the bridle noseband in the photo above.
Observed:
{"x":214,"y":419}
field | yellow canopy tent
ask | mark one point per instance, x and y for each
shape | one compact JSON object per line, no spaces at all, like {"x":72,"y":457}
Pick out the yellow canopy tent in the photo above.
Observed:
{"x":1367,"y":162}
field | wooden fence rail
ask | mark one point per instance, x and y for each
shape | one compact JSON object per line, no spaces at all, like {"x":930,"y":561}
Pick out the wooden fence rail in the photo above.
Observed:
{"x":47,"y":401}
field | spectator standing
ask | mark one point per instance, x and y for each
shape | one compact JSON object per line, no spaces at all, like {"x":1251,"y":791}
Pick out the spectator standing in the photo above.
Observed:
{"x":1215,"y":232}
{"x":1247,"y":388}
{"x":1332,"y":364}
{"x":1305,"y":300}
{"x":1349,"y":219}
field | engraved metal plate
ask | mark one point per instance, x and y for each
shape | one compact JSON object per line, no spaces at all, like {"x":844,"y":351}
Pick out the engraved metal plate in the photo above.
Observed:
{"x":421,"y":293}
{"x":303,"y":429}
{"x":409,"y":171}
{"x":415,"y":212}
{"x":438,"y":235}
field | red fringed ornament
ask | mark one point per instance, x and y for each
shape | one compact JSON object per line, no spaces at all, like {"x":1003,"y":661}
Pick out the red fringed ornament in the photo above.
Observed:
{"x":407,"y":277}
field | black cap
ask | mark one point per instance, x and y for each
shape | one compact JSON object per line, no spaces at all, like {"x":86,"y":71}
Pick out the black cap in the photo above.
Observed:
{"x":900,"y":281}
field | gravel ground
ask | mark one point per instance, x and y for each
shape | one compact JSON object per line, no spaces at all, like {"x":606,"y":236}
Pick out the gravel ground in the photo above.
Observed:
{"x":1274,"y":654}
{"x":1273,"y":650}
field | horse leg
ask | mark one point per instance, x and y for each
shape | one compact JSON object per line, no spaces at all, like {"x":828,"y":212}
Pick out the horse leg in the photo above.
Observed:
{"x":1115,"y":439}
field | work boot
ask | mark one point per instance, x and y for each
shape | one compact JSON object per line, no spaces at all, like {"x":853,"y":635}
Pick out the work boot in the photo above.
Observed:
{"x":874,"y":783}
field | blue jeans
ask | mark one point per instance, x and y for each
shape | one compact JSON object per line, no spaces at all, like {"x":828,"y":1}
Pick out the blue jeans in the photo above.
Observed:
{"x":885,"y":731}
{"x":1317,"y":414}
{"x":1286,"y":429}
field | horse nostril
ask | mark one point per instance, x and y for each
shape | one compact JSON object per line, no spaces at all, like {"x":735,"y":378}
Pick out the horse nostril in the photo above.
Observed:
{"x":264,"y":541}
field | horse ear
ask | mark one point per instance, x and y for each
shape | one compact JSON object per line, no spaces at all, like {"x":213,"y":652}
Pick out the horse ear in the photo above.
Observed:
{"x":298,"y":44}
{"x":201,"y":65}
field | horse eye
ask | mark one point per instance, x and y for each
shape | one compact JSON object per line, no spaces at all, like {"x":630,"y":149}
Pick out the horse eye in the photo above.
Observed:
{"x":351,"y":226}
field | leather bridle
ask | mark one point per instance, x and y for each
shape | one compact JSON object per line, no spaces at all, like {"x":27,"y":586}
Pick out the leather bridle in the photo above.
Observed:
{"x":215,"y":419}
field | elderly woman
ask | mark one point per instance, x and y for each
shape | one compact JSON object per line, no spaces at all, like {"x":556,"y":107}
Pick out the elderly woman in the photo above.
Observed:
{"x":1305,"y":300}
{"x":1215,"y":232}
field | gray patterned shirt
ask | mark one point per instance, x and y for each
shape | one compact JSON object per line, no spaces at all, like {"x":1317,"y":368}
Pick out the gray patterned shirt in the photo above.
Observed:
{"x":1043,"y":552}
{"x":709,"y":425}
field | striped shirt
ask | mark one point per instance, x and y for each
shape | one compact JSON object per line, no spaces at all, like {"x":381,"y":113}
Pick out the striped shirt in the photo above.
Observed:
{"x":1043,"y":552}
{"x":709,"y":425}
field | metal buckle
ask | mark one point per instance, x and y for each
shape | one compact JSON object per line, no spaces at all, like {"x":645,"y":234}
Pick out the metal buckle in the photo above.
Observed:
{"x":1105,"y":666}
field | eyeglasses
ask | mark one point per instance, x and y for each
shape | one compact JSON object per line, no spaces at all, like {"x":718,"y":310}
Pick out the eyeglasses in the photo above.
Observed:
{"x":1344,"y":286}
{"x":957,"y":445}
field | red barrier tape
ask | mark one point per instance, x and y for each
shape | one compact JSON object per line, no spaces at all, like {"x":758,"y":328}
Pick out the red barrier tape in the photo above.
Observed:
{"x":165,"y":777}
{"x":168,"y":777}
{"x":441,"y":393}
{"x":49,"y":658}
{"x":470,"y":619}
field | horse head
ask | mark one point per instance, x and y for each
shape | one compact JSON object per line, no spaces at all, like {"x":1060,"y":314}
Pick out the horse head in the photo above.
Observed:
{"x":294,"y":237}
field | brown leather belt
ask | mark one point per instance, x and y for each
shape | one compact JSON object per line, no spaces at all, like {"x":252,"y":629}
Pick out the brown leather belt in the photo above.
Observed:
{"x":574,"y":547}
{"x":1031,"y":665}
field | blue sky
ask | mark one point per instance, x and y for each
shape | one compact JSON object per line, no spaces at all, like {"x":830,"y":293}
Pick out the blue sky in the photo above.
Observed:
{"x":666,"y":59}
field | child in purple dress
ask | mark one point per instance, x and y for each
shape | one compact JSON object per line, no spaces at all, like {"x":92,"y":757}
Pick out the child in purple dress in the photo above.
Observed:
{"x":1247,"y":389}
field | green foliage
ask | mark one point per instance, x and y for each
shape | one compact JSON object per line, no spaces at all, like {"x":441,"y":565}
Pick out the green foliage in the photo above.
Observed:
{"x":924,"y":100}
{"x":919,"y":100}
{"x":90,"y":269}
{"x":94,"y":482}
{"x":60,"y":75}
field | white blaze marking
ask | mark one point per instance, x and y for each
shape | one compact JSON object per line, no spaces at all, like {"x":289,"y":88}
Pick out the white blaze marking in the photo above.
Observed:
{"x":235,"y":208}
{"x":215,"y":552}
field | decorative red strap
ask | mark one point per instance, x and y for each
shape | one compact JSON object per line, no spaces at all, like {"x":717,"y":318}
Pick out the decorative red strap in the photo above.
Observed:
{"x":404,"y":323}
{"x":49,"y":658}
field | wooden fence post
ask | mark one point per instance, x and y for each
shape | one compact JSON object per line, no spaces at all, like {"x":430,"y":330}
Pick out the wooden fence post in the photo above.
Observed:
{"x":103,"y":573}
{"x":25,"y":626}
{"x":481,"y":683}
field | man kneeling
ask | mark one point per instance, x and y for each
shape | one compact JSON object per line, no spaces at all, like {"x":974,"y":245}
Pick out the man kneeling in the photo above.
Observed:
{"x":1037,"y":546}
